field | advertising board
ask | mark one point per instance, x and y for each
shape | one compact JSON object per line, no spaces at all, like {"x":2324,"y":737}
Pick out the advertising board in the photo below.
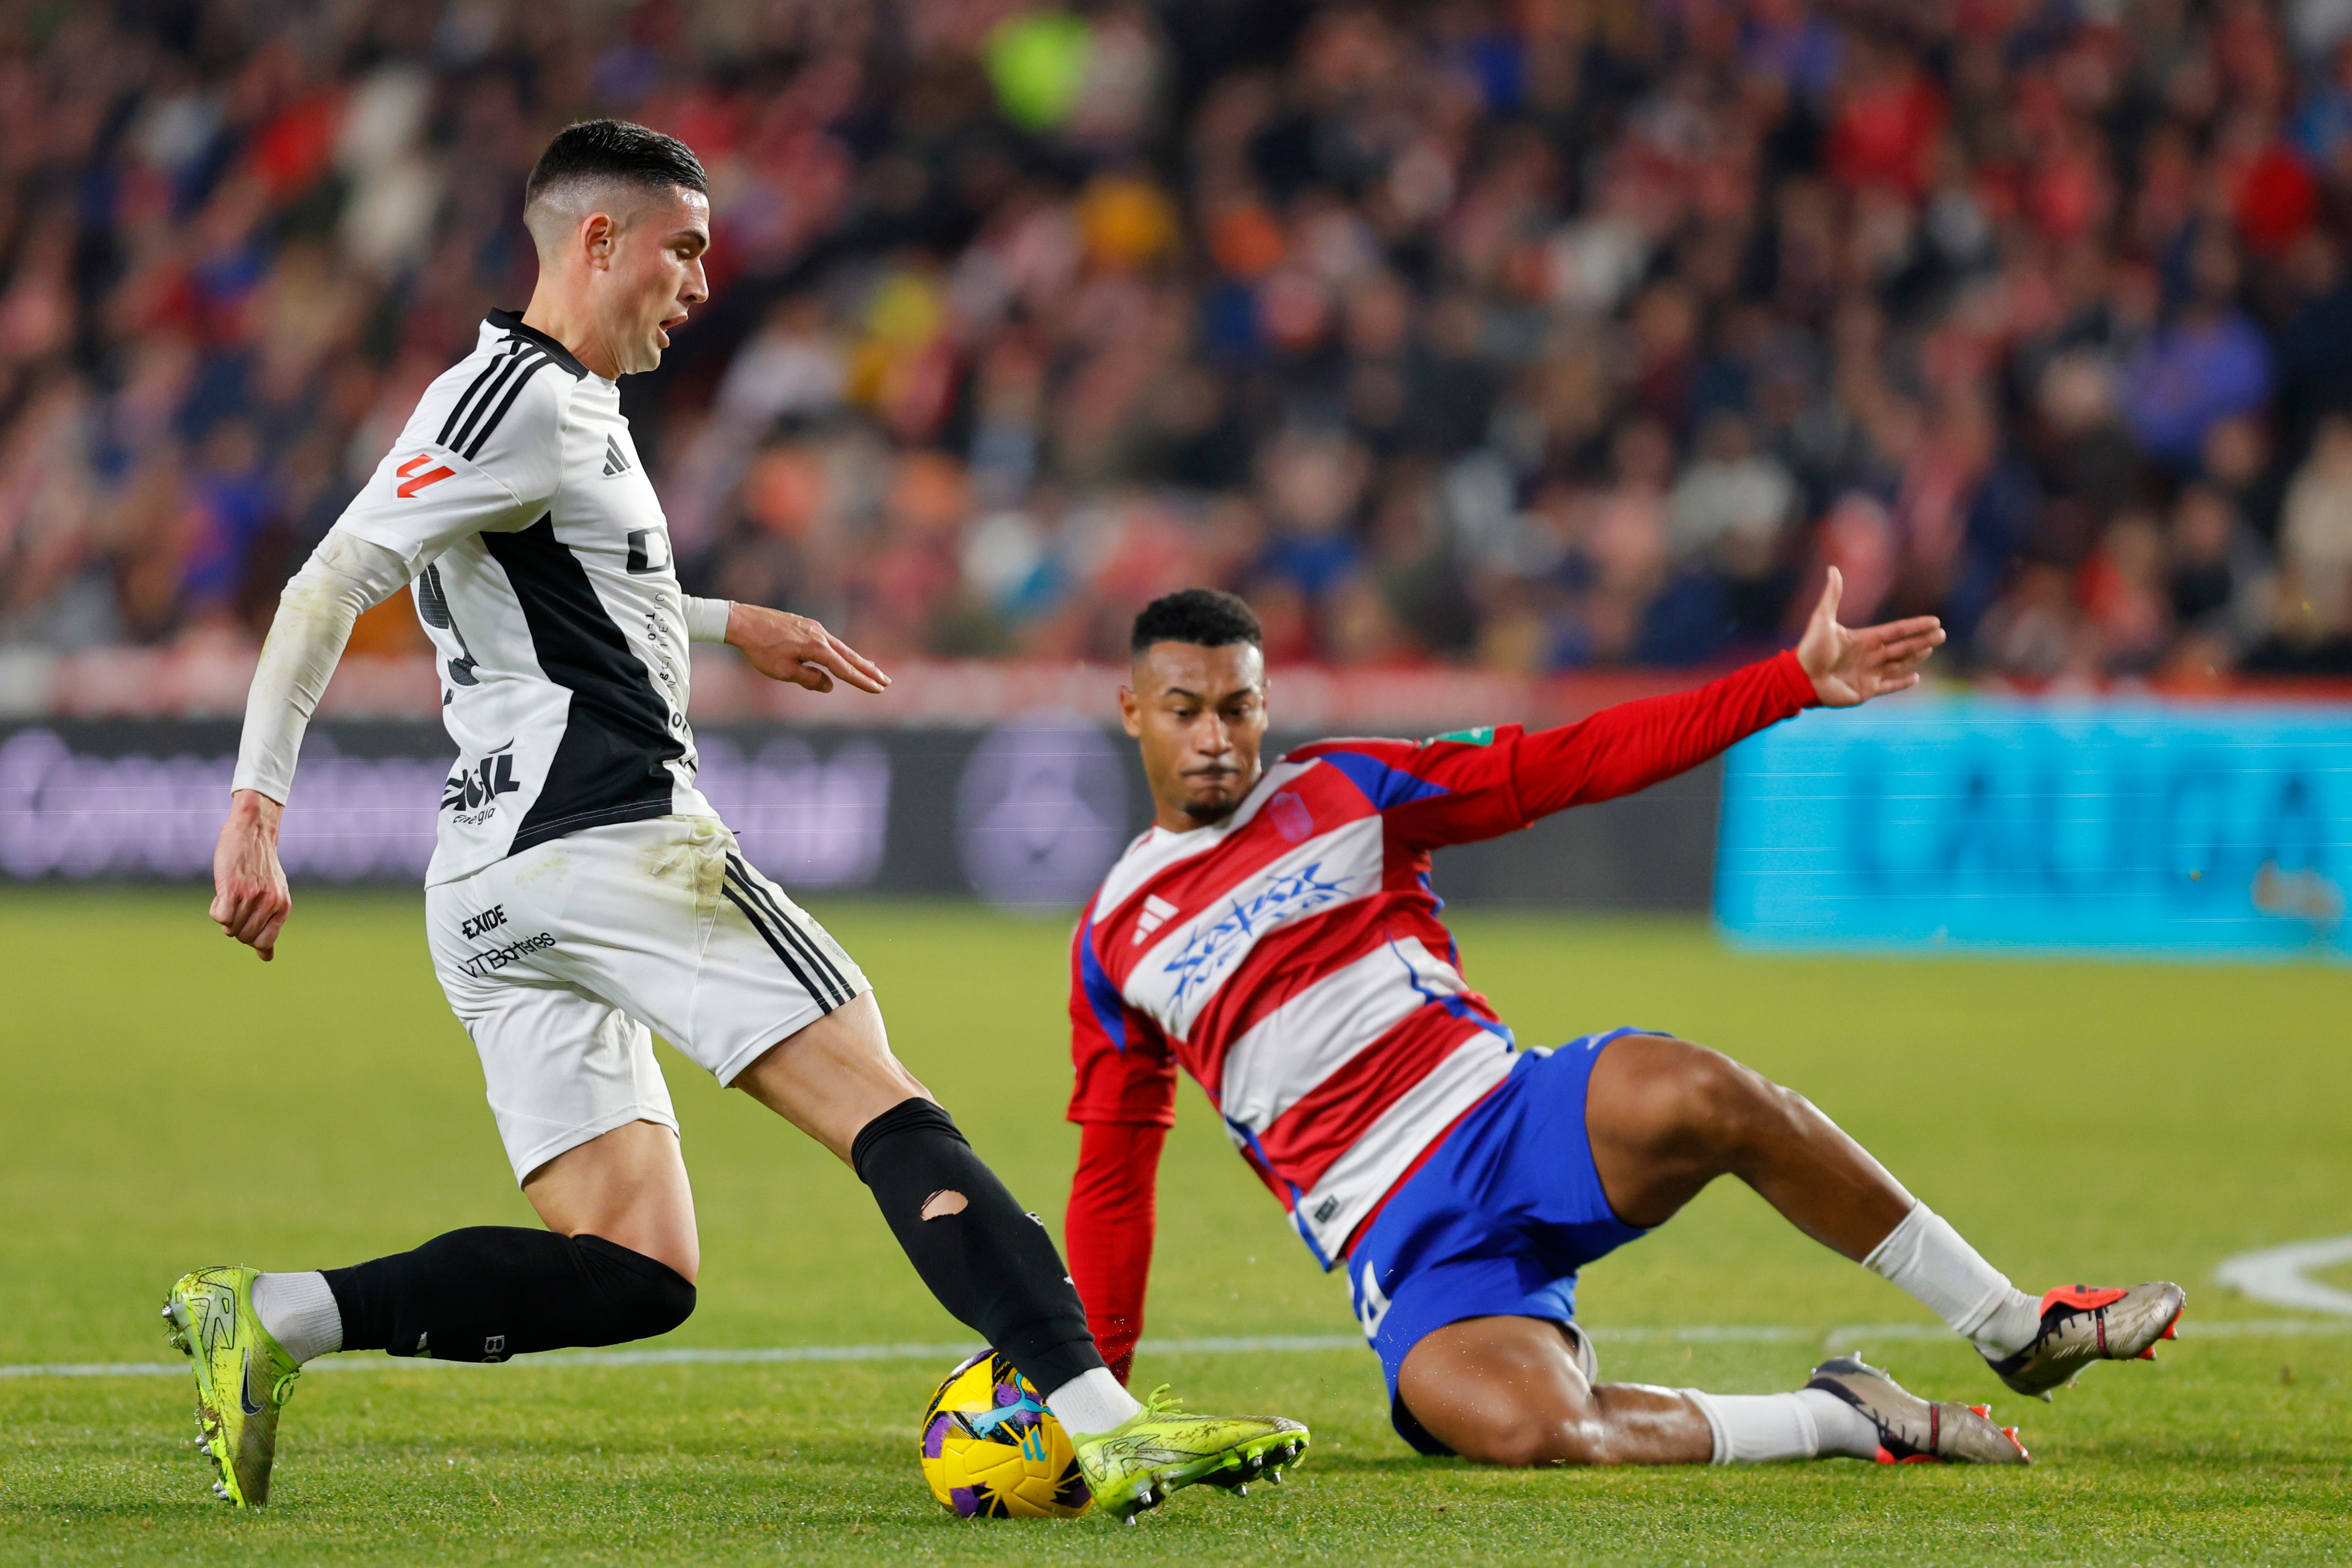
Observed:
{"x":1026,"y":814}
{"x":2119,"y":827}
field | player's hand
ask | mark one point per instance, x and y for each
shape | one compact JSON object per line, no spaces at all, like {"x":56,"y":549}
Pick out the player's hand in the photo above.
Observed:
{"x":1850,"y":667}
{"x":787,"y":647}
{"x":250,"y":895}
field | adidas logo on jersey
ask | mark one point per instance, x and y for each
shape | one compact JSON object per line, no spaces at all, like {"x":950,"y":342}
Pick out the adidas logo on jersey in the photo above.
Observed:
{"x":1156,"y":911}
{"x":615,"y":460}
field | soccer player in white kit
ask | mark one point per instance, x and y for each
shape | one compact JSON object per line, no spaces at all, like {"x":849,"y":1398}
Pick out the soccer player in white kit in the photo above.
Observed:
{"x":583,"y":893}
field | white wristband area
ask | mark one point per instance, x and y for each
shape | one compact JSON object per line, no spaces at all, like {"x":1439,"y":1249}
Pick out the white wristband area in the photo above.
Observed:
{"x":706,"y":619}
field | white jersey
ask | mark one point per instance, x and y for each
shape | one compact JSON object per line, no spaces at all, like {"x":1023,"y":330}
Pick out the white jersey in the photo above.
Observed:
{"x":543,"y":574}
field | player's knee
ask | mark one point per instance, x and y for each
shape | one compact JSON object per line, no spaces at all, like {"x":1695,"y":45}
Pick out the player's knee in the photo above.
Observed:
{"x":649,"y":1305}
{"x":663,"y":1305}
{"x":1727,"y":1106}
{"x":635,"y":1297}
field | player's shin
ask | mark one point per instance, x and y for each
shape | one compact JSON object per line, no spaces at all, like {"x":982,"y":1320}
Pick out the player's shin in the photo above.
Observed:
{"x":1928,"y":1260}
{"x":990,"y":1262}
{"x":488,"y":1292}
{"x":1760,"y":1428}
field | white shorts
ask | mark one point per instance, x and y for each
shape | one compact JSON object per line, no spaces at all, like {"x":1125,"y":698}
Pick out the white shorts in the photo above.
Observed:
{"x":563,"y":960}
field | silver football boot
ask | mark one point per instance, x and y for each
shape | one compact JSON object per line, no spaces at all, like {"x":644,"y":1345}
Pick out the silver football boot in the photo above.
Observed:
{"x":2083,"y":1323}
{"x":1916,"y":1431}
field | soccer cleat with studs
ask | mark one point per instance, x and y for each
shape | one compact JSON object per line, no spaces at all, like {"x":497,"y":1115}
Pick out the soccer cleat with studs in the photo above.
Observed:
{"x":1133,"y":1467}
{"x":243,"y":1378}
{"x":2083,"y":1323}
{"x":1915,"y":1431}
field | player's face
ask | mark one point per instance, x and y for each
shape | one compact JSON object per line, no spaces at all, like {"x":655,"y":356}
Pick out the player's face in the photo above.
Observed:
{"x":1200,"y":713}
{"x":653,"y":273}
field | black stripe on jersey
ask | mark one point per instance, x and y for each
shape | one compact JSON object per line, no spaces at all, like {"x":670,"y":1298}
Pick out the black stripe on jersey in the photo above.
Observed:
{"x":519,"y":370}
{"x":498,"y":362}
{"x":776,"y":948}
{"x":805,"y":945}
{"x":511,"y":322}
{"x":531,"y":367}
{"x":610,"y":765}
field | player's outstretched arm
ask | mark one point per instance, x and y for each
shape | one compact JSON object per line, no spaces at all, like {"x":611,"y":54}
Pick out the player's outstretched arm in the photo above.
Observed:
{"x":787,"y":647}
{"x":1850,"y":667}
{"x":1634,"y":745}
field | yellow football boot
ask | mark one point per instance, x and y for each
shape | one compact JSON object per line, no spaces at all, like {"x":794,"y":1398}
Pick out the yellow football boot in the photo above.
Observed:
{"x":1136,"y":1464}
{"x":243,"y":1377}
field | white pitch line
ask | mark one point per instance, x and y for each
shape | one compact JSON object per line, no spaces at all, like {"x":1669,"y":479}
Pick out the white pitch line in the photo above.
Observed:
{"x":2278,"y":1275}
{"x":1835,"y":1339}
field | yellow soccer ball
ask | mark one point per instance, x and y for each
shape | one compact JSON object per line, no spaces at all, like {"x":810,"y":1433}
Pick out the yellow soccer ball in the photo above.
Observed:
{"x":992,"y":1450}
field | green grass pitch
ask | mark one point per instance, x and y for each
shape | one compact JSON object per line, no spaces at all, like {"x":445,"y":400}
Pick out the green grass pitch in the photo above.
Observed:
{"x":169,"y":1102}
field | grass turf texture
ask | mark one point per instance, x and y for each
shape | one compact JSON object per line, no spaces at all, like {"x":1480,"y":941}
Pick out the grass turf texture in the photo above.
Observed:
{"x":171,"y":1101}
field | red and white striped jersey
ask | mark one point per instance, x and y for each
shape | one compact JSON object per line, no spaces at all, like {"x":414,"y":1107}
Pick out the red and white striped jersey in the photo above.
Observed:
{"x":1291,"y":959}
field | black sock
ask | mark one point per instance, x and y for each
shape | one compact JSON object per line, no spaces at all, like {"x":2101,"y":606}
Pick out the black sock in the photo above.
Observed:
{"x":990,"y":1264}
{"x":491,"y":1291}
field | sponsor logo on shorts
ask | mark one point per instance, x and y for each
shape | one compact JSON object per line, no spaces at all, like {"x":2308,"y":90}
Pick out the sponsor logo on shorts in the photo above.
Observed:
{"x":489,"y":919}
{"x":481,"y":964}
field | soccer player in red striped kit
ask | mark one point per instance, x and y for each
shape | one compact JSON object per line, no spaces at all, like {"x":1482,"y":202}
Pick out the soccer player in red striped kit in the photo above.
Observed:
{"x":1274,"y":934}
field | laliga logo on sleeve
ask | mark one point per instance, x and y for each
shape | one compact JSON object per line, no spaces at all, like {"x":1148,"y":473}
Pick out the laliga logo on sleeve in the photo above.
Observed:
{"x":407,"y":491}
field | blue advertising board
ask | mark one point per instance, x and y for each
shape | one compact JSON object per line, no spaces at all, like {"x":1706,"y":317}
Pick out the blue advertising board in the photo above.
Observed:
{"x":2117,"y":827}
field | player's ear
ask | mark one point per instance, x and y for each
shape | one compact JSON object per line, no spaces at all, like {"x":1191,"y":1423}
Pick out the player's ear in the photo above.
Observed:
{"x":1130,"y":712}
{"x":599,"y":235}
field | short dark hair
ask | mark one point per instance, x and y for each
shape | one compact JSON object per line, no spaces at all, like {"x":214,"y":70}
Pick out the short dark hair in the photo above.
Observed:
{"x":615,"y":149}
{"x":1202,"y":615}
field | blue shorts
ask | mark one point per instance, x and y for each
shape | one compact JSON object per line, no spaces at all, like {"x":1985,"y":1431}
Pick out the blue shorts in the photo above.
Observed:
{"x":1496,"y":1224}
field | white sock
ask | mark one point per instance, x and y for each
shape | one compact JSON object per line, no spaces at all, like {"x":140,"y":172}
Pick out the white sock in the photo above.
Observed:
{"x":1925,"y":1258}
{"x":1844,"y":1431}
{"x":1091,"y":1402}
{"x":1758,"y":1428}
{"x":299,"y":1313}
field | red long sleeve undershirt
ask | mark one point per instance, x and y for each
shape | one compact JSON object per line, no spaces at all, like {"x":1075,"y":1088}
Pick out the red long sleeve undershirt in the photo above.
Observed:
{"x":1617,"y":751}
{"x":1108,"y":1232}
{"x":1626,"y":748}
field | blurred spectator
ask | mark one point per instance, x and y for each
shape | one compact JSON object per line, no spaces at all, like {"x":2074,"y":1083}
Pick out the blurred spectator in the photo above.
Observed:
{"x":2206,"y":364}
{"x":1731,"y":502}
{"x":2036,"y":632}
{"x":2315,"y":616}
{"x":1536,"y":335}
{"x":2219,"y":583}
{"x":2123,"y":596}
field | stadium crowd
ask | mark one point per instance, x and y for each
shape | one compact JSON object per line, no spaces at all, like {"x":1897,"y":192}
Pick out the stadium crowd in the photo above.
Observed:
{"x":1533,"y":334}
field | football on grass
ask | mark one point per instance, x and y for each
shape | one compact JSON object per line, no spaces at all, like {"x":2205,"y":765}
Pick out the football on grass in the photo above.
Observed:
{"x":992,"y":1450}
